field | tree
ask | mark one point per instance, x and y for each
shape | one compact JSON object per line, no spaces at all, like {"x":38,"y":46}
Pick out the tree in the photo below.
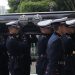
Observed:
{"x":41,"y":5}
{"x":33,"y":6}
{"x":13,"y":5}
{"x":68,"y":5}
{"x":29,"y":5}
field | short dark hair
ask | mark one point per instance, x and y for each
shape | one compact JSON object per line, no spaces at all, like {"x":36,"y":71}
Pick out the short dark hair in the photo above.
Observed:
{"x":55,"y":26}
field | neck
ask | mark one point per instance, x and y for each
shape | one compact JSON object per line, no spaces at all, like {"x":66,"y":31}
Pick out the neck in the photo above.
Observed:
{"x":59,"y":33}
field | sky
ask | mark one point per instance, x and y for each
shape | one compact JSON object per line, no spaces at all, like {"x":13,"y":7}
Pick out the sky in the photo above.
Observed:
{"x":4,"y":3}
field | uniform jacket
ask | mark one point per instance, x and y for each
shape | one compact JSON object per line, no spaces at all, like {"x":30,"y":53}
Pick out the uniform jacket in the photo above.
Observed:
{"x":55,"y":53}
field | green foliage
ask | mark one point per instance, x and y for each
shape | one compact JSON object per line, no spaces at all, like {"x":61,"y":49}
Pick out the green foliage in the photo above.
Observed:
{"x":31,"y":0}
{"x":70,"y":4}
{"x":65,"y":5}
{"x":41,"y":5}
{"x":13,"y":5}
{"x":33,"y":6}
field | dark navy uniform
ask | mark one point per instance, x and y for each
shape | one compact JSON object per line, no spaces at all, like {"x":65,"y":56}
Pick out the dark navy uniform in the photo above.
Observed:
{"x":3,"y":57}
{"x":69,"y":48}
{"x":42,"y":46}
{"x":73,"y":55}
{"x":68,"y":44}
{"x":19,"y":54}
{"x":18,"y":46}
{"x":55,"y":54}
{"x":55,"y":49}
{"x":42,"y":56}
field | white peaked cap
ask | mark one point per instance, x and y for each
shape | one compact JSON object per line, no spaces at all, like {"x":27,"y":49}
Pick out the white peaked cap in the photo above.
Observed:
{"x":12,"y":23}
{"x":44,"y":23}
{"x":71,"y":23}
{"x":60,"y":20}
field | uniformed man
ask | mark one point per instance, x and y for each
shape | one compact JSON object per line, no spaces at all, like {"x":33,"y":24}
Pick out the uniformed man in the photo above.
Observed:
{"x":69,"y":48}
{"x":55,"y":48}
{"x":42,"y":61}
{"x":18,"y":50}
